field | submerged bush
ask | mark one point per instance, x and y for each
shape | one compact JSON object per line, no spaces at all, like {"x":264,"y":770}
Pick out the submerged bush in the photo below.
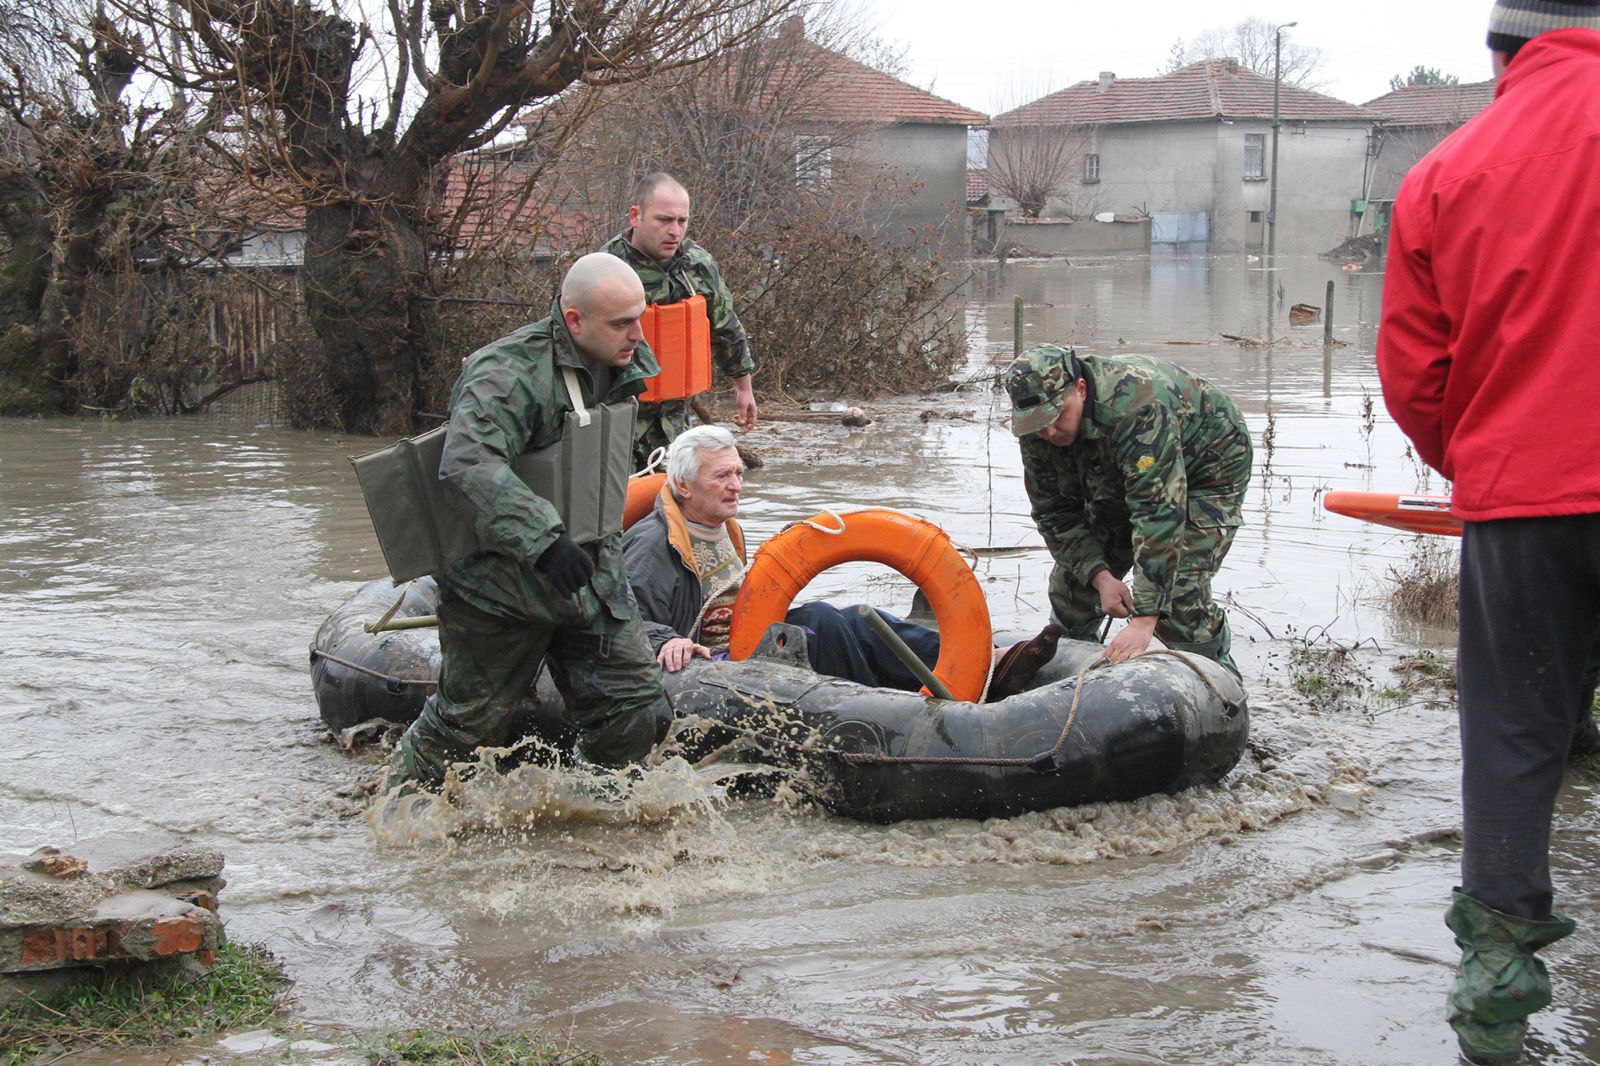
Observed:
{"x":1426,"y":588}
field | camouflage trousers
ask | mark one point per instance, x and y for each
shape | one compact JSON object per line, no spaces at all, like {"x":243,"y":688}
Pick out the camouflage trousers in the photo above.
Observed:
{"x":604,"y":670}
{"x":658,"y":425}
{"x":1194,"y":618}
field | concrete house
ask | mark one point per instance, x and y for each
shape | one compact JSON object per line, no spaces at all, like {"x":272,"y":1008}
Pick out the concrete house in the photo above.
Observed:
{"x":895,"y":127}
{"x":1193,"y":150}
{"x":780,"y":110}
{"x":1415,"y":118}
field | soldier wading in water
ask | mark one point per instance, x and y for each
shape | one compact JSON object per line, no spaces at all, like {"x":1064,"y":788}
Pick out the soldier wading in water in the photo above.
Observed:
{"x":535,"y":594}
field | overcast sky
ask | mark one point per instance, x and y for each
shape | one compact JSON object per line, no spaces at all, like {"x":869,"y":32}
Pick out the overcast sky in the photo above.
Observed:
{"x":991,"y":55}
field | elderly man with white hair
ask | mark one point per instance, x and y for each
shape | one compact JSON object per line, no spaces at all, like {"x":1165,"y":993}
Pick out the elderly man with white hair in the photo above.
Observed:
{"x":686,"y":561}
{"x":541,"y":591}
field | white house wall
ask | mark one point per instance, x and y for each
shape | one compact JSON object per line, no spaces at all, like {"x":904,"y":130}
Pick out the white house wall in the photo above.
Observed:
{"x":936,"y":156}
{"x":1181,"y":169}
{"x":1320,"y":171}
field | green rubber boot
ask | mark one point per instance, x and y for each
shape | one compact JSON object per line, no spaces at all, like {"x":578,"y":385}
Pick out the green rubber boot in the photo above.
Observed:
{"x":1217,"y":649}
{"x":406,"y":771}
{"x":1499,"y":982}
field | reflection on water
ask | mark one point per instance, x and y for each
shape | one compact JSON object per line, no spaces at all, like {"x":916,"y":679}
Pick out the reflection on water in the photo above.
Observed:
{"x":163,"y":581}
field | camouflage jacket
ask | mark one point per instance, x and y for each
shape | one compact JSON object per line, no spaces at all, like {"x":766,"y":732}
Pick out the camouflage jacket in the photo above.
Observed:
{"x":692,"y":271}
{"x":1159,"y":448}
{"x":511,"y":399}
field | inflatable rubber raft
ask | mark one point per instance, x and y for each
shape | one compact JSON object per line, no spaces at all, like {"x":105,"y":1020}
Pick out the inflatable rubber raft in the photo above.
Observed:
{"x":1157,"y":724}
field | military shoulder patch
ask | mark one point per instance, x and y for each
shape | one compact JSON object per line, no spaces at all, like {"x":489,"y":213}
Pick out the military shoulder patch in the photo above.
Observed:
{"x":1146,"y":462}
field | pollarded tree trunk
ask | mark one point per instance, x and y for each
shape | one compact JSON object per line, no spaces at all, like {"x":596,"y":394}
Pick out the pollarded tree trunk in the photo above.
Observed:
{"x":26,"y":268}
{"x":364,"y":269}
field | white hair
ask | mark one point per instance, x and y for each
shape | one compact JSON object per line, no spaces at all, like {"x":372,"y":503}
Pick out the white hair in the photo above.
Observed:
{"x":688,"y":449}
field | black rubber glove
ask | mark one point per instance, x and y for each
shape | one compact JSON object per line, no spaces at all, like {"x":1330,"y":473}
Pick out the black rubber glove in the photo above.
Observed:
{"x":568,"y":566}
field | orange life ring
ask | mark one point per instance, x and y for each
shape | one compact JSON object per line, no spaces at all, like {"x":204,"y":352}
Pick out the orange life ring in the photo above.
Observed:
{"x":642,"y":492}
{"x":914,"y":546}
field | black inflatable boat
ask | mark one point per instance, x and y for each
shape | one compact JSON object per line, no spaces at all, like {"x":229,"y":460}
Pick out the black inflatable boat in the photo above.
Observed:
{"x":1160,"y":723}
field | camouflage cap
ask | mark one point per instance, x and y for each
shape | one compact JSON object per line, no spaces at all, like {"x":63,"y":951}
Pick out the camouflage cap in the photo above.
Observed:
{"x":1037,"y":379}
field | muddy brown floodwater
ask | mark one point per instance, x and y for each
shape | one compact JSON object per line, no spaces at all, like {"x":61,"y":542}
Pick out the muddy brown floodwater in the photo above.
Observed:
{"x":161,"y":581}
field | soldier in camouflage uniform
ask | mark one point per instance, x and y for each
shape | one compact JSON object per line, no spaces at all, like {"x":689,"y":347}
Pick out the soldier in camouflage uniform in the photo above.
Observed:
{"x":674,"y":268}
{"x":537,"y":595}
{"x":1131,"y":462}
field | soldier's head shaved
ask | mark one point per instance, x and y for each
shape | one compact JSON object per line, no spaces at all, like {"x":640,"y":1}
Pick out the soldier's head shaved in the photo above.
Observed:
{"x":602,"y":301}
{"x":594,"y":274}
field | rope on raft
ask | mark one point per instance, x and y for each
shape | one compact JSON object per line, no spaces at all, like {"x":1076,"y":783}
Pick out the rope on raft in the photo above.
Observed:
{"x":358,"y":668}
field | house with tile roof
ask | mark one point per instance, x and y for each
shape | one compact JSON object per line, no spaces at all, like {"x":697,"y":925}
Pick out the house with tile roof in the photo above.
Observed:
{"x":900,"y":128}
{"x":1415,"y":118}
{"x":1192,"y":149}
{"x":782,"y":112}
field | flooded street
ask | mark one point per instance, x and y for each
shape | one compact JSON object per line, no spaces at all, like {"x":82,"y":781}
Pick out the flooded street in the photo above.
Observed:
{"x":162,"y":581}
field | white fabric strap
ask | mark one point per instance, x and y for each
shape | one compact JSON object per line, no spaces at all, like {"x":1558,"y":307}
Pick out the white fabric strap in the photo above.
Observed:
{"x":570,"y":376}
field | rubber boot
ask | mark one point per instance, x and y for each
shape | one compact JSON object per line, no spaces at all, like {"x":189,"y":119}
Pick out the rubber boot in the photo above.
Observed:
{"x":1499,"y":982}
{"x":1585,"y":739}
{"x":1216,"y":649}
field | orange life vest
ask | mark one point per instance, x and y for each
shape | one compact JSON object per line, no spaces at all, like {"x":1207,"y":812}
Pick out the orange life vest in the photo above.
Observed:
{"x":680,"y":335}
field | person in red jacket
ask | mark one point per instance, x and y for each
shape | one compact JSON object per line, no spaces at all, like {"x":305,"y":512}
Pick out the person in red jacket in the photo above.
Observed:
{"x":1490,"y":363}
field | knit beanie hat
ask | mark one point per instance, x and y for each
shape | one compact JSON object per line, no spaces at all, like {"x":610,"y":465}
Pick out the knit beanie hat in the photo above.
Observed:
{"x":1514,"y":22}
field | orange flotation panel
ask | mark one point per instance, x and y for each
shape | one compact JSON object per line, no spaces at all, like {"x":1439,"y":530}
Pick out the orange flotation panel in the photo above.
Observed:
{"x":680,"y":336}
{"x":1415,"y":514}
{"x":915,"y":547}
{"x":642,"y":492}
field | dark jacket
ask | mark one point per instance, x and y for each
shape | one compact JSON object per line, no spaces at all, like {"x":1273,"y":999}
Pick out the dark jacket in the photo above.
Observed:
{"x":509,"y":400}
{"x":659,"y":557}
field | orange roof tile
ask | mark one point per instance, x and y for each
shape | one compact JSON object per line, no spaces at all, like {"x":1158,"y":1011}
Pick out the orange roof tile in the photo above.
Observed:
{"x":1433,"y":105}
{"x":977,"y":185}
{"x":859,"y":93}
{"x":1210,"y":89}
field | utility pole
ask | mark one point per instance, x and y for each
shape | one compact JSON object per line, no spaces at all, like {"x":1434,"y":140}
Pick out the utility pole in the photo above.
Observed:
{"x":1272,"y":186}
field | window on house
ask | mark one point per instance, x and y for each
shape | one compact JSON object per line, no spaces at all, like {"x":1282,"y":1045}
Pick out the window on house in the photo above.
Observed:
{"x":813,"y":161}
{"x":1255,"y":156}
{"x":1091,"y":168}
{"x":1255,"y":216}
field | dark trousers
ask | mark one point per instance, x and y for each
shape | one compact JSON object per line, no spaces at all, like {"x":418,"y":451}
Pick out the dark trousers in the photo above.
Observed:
{"x":845,"y":646}
{"x":1530,"y":605}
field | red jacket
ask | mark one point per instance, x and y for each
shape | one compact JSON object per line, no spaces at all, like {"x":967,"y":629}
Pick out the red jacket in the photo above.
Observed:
{"x":1489,"y":350}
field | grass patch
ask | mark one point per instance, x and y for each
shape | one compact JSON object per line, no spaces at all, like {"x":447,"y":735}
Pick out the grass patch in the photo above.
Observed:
{"x":1427,"y":587}
{"x":1327,"y":673}
{"x":424,"y":1047}
{"x":245,"y":988}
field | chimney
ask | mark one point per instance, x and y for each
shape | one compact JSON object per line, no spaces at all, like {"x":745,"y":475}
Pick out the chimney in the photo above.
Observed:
{"x":792,"y":30}
{"x":1106,"y":78}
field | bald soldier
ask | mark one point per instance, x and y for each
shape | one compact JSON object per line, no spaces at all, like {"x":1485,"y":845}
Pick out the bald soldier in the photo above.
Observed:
{"x":539,"y":591}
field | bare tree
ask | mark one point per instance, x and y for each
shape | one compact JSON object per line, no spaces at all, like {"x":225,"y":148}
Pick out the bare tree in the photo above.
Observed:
{"x":353,"y":123}
{"x":1253,"y":43}
{"x":99,"y":188}
{"x":799,"y":215}
{"x":1030,"y":163}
